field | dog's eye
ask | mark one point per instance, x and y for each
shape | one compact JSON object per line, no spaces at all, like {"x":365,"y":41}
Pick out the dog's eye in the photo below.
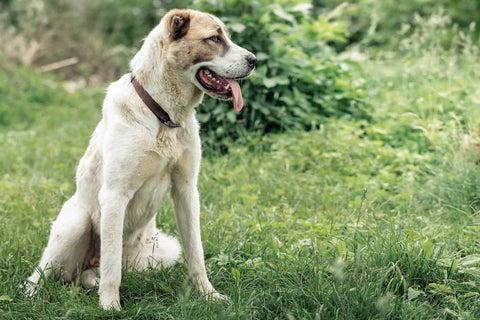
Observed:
{"x":215,"y":39}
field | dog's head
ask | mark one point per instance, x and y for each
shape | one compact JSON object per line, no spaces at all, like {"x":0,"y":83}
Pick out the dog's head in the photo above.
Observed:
{"x":196,"y":46}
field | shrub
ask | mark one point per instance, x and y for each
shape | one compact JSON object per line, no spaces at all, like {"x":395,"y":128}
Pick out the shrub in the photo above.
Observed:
{"x":299,"y":80}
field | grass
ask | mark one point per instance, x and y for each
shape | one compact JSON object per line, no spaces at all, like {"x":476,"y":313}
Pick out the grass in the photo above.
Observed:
{"x":355,"y":220}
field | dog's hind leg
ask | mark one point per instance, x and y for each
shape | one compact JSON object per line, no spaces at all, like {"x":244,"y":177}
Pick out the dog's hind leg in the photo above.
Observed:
{"x":159,"y":250}
{"x":90,"y":278}
{"x":67,"y":245}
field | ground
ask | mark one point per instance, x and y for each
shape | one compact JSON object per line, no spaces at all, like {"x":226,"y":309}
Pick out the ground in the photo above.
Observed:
{"x":352,"y":220}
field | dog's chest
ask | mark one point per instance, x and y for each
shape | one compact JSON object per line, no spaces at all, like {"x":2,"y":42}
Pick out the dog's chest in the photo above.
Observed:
{"x":157,"y":165}
{"x":146,"y":201}
{"x":170,"y":144}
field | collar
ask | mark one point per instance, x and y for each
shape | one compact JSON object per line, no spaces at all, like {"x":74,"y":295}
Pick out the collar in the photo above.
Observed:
{"x":161,"y":114}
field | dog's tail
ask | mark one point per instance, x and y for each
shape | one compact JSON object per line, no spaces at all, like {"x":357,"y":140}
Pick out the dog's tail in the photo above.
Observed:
{"x":166,"y":249}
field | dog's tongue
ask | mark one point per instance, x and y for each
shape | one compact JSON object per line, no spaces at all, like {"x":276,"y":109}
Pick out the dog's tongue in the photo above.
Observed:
{"x":236,"y":94}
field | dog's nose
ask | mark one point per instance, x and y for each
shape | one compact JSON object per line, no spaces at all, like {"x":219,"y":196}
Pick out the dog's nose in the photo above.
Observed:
{"x":252,"y":60}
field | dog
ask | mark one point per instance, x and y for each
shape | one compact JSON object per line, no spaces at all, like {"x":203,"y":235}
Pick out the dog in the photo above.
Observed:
{"x":146,"y":143}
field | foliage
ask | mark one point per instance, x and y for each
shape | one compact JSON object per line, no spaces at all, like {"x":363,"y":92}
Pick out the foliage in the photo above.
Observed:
{"x":379,"y":22}
{"x":299,"y":79}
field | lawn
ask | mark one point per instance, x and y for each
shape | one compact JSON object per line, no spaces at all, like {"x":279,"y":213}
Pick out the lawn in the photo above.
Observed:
{"x":352,"y":220}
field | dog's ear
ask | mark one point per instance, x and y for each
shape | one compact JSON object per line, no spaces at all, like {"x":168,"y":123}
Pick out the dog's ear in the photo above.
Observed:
{"x":178,"y":24}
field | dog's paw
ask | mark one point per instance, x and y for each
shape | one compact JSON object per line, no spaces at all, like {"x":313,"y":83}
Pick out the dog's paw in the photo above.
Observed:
{"x":30,"y":289}
{"x":214,"y":295}
{"x":110,"y":301}
{"x":89,"y":278}
{"x":110,"y":305}
{"x":219,"y":296}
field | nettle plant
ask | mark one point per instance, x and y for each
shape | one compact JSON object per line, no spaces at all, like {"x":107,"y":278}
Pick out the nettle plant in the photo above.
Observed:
{"x":299,"y":79}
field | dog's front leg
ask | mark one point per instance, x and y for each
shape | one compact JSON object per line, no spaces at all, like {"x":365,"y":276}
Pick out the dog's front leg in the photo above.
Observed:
{"x":187,"y":210}
{"x":113,"y":205}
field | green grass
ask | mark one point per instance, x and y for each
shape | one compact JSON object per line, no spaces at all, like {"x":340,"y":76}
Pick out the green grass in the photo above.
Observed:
{"x":354,"y":220}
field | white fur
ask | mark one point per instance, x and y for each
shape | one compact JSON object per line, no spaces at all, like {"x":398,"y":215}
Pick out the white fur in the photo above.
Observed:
{"x":131,"y":162}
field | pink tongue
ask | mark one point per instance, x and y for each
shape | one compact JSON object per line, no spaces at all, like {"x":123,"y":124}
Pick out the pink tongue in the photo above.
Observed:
{"x":236,"y":94}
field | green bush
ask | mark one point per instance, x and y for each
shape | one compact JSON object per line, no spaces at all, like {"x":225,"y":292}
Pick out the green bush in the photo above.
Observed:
{"x":299,"y":79}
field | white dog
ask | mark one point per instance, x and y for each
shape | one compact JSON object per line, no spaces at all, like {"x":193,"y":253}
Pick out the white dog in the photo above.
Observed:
{"x":147,"y":141}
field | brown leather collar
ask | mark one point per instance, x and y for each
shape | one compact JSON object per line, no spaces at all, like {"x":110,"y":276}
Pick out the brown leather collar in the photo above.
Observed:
{"x":161,"y":114}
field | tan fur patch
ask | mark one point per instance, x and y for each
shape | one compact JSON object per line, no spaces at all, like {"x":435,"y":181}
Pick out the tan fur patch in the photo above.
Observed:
{"x":194,"y":46}
{"x":178,"y":23}
{"x":127,"y":114}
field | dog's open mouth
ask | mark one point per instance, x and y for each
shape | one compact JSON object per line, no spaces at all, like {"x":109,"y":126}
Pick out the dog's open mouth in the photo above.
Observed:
{"x":221,"y":87}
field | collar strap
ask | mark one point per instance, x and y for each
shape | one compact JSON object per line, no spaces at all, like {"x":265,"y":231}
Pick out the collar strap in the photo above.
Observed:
{"x":161,"y":114}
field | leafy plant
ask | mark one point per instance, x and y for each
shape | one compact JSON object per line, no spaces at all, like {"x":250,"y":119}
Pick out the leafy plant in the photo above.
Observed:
{"x":299,"y":80}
